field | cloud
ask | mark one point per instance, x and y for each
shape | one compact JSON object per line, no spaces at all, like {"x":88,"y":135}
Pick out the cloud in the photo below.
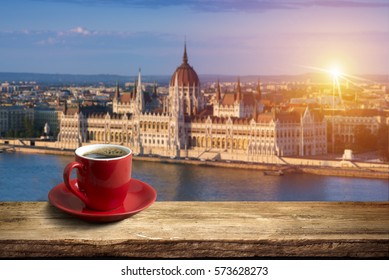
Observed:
{"x":231,"y":5}
{"x":80,"y":30}
{"x":48,"y":42}
{"x":80,"y":38}
{"x":76,"y":35}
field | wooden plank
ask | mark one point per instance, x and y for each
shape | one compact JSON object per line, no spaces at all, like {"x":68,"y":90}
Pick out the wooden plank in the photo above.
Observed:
{"x":201,"y":229}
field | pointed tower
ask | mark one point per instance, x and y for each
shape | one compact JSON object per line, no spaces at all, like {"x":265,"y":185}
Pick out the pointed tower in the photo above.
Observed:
{"x":176,"y":98}
{"x":116,"y":97}
{"x":78,"y":107}
{"x":185,"y":57}
{"x":218,"y":92}
{"x":259,"y":93}
{"x":154,"y":96}
{"x":139,"y":94}
{"x":187,"y":80}
{"x":255,"y":112}
{"x":238,"y":92}
{"x":133,"y":94}
{"x":65,"y":108}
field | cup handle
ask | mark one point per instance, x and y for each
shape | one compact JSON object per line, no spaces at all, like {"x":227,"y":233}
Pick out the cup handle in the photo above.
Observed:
{"x":66,"y":178}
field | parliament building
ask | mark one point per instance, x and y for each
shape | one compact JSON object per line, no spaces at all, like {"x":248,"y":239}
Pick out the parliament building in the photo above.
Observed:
{"x":181,"y":125}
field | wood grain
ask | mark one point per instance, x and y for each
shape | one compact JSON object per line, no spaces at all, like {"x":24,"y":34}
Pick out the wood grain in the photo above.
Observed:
{"x":201,"y":230}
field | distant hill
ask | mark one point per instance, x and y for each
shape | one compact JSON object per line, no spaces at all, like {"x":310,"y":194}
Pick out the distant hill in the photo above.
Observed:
{"x":75,"y":79}
{"x":108,"y":79}
{"x":312,"y":77}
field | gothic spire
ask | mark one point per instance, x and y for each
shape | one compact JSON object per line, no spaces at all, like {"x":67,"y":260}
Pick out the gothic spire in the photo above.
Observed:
{"x":134,"y":90}
{"x":117,"y":93}
{"x":65,"y":109}
{"x":79,"y":107}
{"x":218,"y":91}
{"x":238,"y":92}
{"x":139,"y":93}
{"x":185,"y":57}
{"x":259,"y":93}
{"x":255,"y":113}
{"x":155,"y":90}
{"x":176,"y":97}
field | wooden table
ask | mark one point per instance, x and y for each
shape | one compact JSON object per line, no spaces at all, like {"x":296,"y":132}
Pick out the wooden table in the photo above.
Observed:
{"x":201,"y":230}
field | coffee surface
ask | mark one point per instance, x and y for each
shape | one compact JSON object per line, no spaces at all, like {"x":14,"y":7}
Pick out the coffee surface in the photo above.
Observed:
{"x":105,"y":153}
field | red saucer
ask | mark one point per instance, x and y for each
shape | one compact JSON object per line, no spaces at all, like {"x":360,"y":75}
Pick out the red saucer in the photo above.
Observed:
{"x":139,"y":197}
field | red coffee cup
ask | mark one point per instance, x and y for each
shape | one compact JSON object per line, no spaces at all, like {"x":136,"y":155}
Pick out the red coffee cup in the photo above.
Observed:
{"x":103,"y":175}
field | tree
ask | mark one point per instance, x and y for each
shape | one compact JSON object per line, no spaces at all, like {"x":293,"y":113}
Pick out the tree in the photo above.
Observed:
{"x":28,"y":128}
{"x":364,"y":139}
{"x":383,"y":141}
{"x":329,"y":137}
{"x":10,"y":134}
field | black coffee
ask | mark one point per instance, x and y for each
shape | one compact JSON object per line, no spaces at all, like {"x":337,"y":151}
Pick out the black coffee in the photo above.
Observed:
{"x":105,"y":153}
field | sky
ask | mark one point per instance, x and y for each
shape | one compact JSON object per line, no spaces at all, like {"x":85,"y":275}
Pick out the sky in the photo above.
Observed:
{"x":223,"y":37}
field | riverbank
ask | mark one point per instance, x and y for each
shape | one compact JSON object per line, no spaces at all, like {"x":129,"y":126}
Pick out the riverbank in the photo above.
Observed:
{"x":345,"y":169}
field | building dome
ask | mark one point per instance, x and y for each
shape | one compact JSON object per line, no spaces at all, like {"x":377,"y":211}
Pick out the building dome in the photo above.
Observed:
{"x":186,"y":75}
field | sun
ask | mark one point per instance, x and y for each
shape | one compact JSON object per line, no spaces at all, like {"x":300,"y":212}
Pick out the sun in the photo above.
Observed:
{"x":335,"y":72}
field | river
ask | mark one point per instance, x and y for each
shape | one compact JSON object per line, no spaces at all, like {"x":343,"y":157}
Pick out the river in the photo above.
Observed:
{"x":29,"y":177}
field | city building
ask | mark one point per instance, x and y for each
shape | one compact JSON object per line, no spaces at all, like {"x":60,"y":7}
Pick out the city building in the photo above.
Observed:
{"x":182,"y":126}
{"x":237,"y":104}
{"x":50,"y":116}
{"x":346,"y":123}
{"x":125,"y":103}
{"x":13,"y":120}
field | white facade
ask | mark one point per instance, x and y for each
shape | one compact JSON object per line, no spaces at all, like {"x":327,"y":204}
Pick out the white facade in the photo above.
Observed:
{"x":238,"y":104}
{"x":181,"y":126}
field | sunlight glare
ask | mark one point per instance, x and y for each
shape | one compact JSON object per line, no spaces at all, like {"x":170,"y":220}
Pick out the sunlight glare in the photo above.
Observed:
{"x":335,"y":72}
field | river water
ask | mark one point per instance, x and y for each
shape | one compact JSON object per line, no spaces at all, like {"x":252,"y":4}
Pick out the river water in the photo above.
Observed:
{"x":28,"y":177}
